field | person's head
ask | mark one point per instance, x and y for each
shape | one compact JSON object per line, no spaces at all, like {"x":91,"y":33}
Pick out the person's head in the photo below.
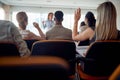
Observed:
{"x":22,"y":19}
{"x":82,"y":26}
{"x":90,"y":20}
{"x":58,"y":16}
{"x":50,"y":16}
{"x":106,"y":28}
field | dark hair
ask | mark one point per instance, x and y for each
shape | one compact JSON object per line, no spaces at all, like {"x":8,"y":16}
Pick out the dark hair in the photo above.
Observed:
{"x":91,"y":19}
{"x":82,"y":23}
{"x":59,"y":15}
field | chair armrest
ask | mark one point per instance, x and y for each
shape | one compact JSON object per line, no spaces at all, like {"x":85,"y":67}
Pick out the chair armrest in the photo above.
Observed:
{"x":80,"y":58}
{"x":89,"y":77}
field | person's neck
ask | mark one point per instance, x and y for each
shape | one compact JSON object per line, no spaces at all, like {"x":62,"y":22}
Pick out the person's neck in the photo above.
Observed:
{"x":58,"y":23}
{"x":21,"y":28}
{"x":49,"y":19}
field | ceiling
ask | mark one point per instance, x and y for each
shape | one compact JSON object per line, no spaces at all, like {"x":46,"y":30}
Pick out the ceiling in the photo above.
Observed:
{"x":87,"y":4}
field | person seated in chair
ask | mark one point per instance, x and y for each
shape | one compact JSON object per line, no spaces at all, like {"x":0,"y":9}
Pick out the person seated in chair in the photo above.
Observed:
{"x":106,"y":30}
{"x":9,"y":33}
{"x":106,"y":26}
{"x":59,"y":31}
{"x":22,"y":19}
{"x":83,"y":27}
{"x":88,"y":33}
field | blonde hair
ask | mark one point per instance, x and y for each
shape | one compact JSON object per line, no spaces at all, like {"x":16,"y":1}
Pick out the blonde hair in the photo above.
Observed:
{"x":22,"y":19}
{"x":106,"y":28}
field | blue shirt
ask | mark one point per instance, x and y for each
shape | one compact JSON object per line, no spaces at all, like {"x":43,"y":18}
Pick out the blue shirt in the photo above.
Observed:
{"x":48,"y":25}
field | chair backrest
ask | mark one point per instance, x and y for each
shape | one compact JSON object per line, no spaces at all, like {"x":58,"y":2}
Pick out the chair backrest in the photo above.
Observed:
{"x":105,"y":55}
{"x":84,"y":43}
{"x":116,"y":74}
{"x":30,"y":43}
{"x":8,"y":49}
{"x":61,"y":48}
{"x":33,"y":68}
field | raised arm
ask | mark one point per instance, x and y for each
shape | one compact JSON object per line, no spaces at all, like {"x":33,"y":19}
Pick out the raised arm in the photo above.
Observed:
{"x":77,"y":16}
{"x":36,"y":25}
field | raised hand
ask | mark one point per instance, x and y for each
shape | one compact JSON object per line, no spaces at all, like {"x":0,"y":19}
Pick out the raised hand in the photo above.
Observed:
{"x":77,"y":14}
{"x":36,"y":25}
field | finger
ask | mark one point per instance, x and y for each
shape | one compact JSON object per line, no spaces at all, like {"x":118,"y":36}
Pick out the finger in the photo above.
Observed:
{"x":75,"y":12}
{"x":78,"y":10}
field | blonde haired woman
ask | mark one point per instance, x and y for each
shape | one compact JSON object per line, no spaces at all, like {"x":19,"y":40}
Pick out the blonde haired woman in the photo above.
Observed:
{"x":106,"y":27}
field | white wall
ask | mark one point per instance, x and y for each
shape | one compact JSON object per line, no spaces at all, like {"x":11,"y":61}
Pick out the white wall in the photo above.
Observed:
{"x":117,"y":5}
{"x":47,"y":10}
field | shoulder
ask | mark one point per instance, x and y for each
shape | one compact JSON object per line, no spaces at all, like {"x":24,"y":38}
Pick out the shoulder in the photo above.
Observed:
{"x":24,"y":31}
{"x":67,"y":29}
{"x":6,"y":23}
{"x":89,"y":30}
{"x":50,"y":31}
{"x":10,"y":23}
{"x":88,"y":33}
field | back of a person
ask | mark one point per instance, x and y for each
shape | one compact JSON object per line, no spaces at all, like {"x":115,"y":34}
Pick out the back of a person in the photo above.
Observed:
{"x":5,"y":35}
{"x":24,"y":33}
{"x":22,"y":20}
{"x":83,"y":26}
{"x":106,"y":30}
{"x":9,"y":33}
{"x":59,"y":32}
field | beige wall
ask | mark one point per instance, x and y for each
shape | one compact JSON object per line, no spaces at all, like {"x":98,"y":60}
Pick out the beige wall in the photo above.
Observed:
{"x":7,"y":9}
{"x":117,"y":5}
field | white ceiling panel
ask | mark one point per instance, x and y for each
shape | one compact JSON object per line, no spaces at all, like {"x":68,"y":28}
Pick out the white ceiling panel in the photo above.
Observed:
{"x":90,"y":4}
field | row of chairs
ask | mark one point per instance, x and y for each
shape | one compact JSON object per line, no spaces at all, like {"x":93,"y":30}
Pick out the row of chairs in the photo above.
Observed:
{"x":33,"y":68}
{"x":101,"y":59}
{"x":61,"y":48}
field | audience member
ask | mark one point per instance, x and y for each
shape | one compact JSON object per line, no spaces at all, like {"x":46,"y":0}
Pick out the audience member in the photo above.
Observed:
{"x":106,"y":29}
{"x":90,"y":23}
{"x":49,"y":23}
{"x":10,"y":34}
{"x":58,"y":31}
{"x":22,"y":19}
{"x":36,"y":25}
{"x":83,"y":26}
{"x":106,"y":26}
